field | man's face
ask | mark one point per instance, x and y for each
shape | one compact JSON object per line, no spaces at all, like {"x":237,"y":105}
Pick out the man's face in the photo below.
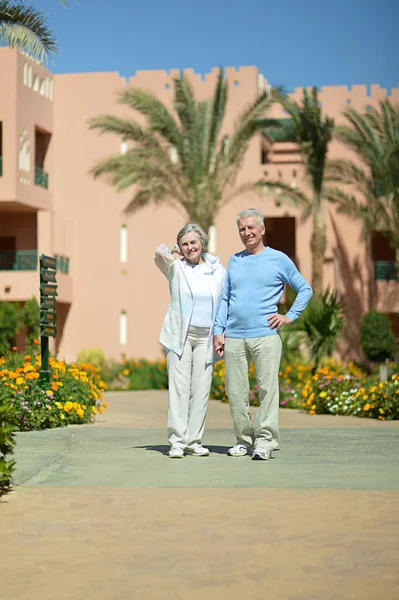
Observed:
{"x":250,"y":233}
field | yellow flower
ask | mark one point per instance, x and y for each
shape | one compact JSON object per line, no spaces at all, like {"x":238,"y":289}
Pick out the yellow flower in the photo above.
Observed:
{"x":373,"y":388}
{"x":68,"y":406}
{"x":126,"y":372}
{"x":323,"y":394}
{"x":62,"y":417}
{"x":365,"y":397}
{"x":312,"y":412}
{"x":19,"y":381}
{"x":60,"y":384}
{"x":382,"y":411}
{"x":366,"y":406}
{"x":100,"y":410}
{"x":105,"y":404}
{"x":80,"y":412}
{"x":314,"y":407}
{"x":93,"y":410}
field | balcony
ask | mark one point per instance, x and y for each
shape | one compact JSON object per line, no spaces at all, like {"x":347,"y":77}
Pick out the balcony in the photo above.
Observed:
{"x":19,"y":260}
{"x":26,"y":260}
{"x":386,"y":270}
{"x":41,"y":178}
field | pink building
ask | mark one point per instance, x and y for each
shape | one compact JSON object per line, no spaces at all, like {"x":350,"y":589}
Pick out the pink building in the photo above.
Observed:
{"x":110,"y":293}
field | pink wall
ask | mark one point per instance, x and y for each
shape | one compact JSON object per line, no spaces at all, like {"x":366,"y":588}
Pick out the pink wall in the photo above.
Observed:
{"x":81,"y":218}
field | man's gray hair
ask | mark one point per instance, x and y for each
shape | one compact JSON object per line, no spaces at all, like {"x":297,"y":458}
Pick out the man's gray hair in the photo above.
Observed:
{"x":204,"y":239}
{"x":251,"y":212}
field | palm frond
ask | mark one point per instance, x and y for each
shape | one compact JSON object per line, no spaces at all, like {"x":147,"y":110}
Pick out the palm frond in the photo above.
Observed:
{"x":25,"y":28}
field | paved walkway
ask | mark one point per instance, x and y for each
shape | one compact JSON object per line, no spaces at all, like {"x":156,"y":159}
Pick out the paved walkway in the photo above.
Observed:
{"x":101,"y":514}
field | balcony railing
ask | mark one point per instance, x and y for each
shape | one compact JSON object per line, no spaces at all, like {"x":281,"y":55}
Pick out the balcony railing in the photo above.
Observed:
{"x":41,"y":178}
{"x":386,"y":271}
{"x":19,"y":260}
{"x":26,"y":260}
{"x":62,"y":264}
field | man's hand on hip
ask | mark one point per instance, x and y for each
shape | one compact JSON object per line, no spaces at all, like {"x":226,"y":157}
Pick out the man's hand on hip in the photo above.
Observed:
{"x":218,"y":344}
{"x":276,"y":321}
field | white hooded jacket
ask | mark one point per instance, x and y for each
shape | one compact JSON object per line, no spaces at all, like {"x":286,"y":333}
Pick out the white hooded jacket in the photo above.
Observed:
{"x":178,"y":315}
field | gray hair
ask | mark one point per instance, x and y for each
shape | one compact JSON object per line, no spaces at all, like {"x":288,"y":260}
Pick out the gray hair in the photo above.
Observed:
{"x":203,"y":238}
{"x":251,"y":212}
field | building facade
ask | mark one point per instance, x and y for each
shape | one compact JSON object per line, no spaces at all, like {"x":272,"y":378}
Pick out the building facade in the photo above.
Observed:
{"x":110,"y":293}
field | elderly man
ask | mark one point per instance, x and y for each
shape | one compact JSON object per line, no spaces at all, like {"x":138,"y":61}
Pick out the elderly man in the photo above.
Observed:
{"x":246,"y":328}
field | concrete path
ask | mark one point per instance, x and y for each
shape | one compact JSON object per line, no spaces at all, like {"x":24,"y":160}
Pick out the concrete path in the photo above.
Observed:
{"x":100,"y":513}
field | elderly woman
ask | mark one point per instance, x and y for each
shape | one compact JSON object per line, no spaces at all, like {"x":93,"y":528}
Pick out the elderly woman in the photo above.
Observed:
{"x":196,"y":284}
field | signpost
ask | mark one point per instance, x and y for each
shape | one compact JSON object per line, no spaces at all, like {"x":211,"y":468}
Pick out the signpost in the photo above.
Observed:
{"x":48,"y":307}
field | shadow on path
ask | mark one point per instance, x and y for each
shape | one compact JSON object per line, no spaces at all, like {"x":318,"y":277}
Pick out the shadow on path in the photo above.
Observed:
{"x":163,"y":449}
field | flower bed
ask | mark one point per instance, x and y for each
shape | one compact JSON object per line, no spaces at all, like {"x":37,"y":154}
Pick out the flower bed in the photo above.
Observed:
{"x":139,"y":374}
{"x":334,"y":389}
{"x":73,"y":396}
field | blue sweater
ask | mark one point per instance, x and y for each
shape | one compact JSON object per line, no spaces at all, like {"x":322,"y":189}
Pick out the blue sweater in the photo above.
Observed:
{"x":254,"y":287}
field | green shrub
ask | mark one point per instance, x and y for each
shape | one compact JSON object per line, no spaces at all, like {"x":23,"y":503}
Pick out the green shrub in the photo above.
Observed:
{"x":31,"y":320}
{"x":322,"y":322}
{"x":7,"y":428}
{"x":376,"y":337}
{"x":92,"y":356}
{"x":10,"y":324}
{"x":139,"y":374}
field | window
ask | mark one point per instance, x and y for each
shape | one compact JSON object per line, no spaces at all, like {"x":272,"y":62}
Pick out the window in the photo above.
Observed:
{"x":123,"y":244}
{"x":123,"y":328}
{"x":123,"y":146}
{"x":30,"y":76}
{"x":280,"y":234}
{"x":212,"y":239}
{"x":384,"y":257}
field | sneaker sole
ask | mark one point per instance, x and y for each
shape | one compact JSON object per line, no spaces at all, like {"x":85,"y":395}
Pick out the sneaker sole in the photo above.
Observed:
{"x":175,"y":456}
{"x":237,"y":454}
{"x":198,"y":455}
{"x":257,"y":457}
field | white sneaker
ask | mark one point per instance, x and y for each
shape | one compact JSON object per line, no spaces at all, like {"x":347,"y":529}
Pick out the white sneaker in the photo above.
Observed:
{"x":237,"y":450}
{"x":261,"y":454}
{"x":176,"y":452}
{"x":198,"y":451}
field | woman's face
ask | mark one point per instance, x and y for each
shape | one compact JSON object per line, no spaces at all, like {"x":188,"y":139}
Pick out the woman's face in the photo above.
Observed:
{"x":191,"y":247}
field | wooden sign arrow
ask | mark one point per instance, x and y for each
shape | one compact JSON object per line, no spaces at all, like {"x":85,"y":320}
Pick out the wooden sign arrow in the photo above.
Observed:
{"x":46,"y":275}
{"x":48,"y":331}
{"x":48,"y":317}
{"x":48,"y":261}
{"x":47,"y":303}
{"x":46,"y":289}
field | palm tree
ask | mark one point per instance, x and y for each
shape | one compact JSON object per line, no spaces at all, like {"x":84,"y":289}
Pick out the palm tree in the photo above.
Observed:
{"x":25,"y":28}
{"x":374,"y":181}
{"x":313,"y":133}
{"x":181,"y":157}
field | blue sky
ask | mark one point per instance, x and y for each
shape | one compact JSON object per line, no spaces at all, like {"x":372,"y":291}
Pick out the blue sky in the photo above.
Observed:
{"x":293,"y":42}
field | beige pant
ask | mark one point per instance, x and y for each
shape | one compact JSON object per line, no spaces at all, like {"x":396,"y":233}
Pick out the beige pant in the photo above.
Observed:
{"x":265,"y":353}
{"x":190,"y":380}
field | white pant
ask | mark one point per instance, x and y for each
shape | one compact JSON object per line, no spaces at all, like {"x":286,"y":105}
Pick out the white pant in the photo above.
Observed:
{"x":265,"y":353}
{"x":190,"y":380}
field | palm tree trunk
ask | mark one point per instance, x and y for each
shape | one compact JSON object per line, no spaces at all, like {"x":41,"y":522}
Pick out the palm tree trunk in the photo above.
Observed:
{"x":318,"y":245}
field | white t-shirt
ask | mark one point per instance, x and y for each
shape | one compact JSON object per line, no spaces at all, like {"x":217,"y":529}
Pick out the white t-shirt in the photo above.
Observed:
{"x":202,"y":311}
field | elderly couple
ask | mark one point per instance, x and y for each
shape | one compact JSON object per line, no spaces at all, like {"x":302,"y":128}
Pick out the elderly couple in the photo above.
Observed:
{"x":214,"y":314}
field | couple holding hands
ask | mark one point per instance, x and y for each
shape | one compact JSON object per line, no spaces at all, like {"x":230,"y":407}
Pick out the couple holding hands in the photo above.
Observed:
{"x":231,"y":314}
